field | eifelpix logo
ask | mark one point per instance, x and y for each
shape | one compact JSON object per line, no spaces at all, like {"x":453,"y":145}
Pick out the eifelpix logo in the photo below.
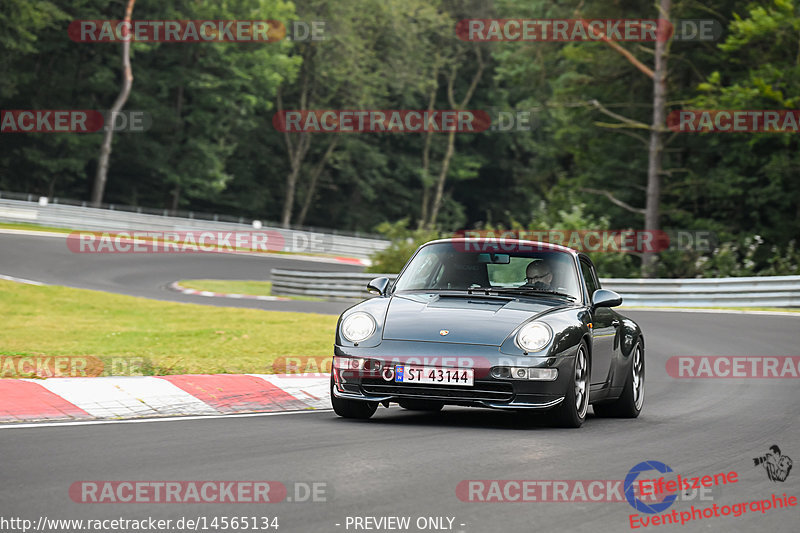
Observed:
{"x":777,"y":466}
{"x":630,"y":485}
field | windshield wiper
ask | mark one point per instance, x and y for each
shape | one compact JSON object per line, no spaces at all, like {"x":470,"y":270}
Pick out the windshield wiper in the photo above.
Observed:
{"x":532,"y":290}
{"x":481,"y":292}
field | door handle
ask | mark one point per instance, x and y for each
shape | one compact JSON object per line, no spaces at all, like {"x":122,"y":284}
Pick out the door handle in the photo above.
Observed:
{"x":615,"y":323}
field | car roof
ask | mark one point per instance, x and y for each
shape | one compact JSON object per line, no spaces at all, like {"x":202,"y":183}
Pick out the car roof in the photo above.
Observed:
{"x":503,"y":241}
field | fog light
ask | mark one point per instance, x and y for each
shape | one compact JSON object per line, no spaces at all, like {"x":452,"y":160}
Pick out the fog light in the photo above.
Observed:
{"x":516,"y":372}
{"x":501,"y":372}
{"x":349,"y":363}
{"x":543,"y":374}
{"x":372,"y":365}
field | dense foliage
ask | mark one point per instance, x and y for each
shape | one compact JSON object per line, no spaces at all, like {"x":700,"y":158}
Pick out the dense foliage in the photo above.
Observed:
{"x":212,"y":146}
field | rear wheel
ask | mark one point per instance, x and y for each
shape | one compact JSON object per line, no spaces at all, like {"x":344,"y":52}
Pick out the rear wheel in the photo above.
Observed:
{"x":421,"y":405}
{"x":571,"y":412}
{"x":352,"y":408}
{"x":630,"y":402}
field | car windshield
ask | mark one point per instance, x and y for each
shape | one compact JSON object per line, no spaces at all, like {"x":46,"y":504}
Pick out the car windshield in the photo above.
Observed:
{"x":459,"y":266}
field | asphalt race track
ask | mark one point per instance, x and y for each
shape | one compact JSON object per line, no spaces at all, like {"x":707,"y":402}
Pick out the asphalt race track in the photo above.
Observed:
{"x":406,"y":464}
{"x":48,"y":260}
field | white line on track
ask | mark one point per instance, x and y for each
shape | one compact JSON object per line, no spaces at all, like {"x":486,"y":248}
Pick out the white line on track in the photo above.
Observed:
{"x":167,"y":419}
{"x":22,"y":280}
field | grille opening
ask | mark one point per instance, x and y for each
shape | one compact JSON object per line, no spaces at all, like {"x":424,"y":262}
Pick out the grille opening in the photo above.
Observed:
{"x":480,"y":391}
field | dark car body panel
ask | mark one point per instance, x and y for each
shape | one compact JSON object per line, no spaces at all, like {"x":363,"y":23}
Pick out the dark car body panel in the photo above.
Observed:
{"x":468,"y":319}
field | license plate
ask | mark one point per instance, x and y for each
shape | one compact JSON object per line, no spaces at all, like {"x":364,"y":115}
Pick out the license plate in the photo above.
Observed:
{"x":429,"y":374}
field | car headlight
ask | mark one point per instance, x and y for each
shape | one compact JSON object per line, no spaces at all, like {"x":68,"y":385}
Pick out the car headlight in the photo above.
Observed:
{"x":358,"y":327}
{"x":534,"y":336}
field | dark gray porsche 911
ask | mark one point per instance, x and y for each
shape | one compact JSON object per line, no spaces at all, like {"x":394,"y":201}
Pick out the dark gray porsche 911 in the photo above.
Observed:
{"x":512,"y":324}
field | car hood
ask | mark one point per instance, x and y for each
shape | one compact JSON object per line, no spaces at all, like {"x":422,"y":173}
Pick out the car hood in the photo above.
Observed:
{"x":467,"y":319}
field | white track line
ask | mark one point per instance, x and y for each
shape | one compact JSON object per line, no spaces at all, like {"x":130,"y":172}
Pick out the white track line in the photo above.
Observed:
{"x":22,"y":280}
{"x":146,"y":420}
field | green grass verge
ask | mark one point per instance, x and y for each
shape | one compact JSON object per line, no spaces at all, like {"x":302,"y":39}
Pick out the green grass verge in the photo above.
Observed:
{"x":252,"y":287}
{"x":173,"y":338}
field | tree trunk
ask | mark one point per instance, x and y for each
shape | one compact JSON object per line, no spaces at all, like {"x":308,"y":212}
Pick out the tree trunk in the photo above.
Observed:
{"x":656,"y":149}
{"x":296,"y":157}
{"x":437,"y":199}
{"x":101,"y":175}
{"x":296,"y":154}
{"x":176,"y":198}
{"x":288,"y":198}
{"x":312,"y":186}
{"x":178,"y":138}
{"x":426,"y":156}
{"x":451,"y":139}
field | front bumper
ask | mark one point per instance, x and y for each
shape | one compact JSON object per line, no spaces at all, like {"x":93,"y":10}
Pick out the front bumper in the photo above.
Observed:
{"x":487,"y":391}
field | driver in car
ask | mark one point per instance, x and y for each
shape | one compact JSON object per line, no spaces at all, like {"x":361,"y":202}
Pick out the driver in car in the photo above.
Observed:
{"x":539,"y":275}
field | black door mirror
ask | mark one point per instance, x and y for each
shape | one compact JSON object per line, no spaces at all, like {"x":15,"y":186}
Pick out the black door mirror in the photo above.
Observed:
{"x":605,"y":298}
{"x":378,"y":286}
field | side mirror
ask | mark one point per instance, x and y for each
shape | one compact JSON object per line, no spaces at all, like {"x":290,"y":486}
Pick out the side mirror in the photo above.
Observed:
{"x":378,"y":286}
{"x":605,"y":298}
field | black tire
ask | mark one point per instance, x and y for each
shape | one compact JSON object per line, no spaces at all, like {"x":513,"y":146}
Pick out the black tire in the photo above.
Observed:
{"x":352,"y":408}
{"x":571,"y":412}
{"x":630,"y":402}
{"x":421,"y":405}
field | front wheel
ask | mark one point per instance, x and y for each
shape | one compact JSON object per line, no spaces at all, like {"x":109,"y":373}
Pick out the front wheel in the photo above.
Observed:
{"x":630,"y":402}
{"x":352,"y":408}
{"x":571,"y":412}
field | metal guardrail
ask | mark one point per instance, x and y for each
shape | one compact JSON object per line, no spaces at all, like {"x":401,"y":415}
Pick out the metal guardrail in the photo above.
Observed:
{"x":757,"y":291}
{"x":775,"y":291}
{"x":328,"y":285}
{"x":113,"y":220}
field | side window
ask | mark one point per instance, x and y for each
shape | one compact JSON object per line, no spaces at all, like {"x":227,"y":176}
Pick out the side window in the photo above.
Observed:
{"x":588,"y":277}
